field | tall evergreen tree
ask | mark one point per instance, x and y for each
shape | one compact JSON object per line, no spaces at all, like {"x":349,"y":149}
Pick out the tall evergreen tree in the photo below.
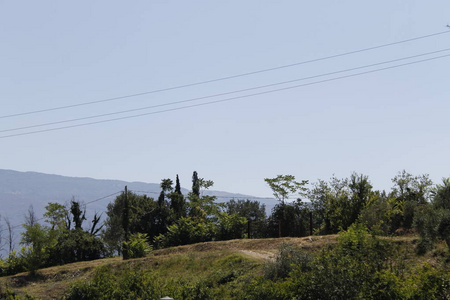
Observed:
{"x":178,"y":186}
{"x":195,"y":184}
{"x":177,"y":202}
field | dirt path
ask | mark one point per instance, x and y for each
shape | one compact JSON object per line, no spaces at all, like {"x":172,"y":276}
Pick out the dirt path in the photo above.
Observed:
{"x":265,"y":255}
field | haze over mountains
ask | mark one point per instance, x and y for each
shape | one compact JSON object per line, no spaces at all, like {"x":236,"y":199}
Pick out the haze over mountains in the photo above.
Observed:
{"x":19,"y":190}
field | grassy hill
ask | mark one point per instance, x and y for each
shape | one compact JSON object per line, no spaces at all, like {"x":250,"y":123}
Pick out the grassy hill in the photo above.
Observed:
{"x":228,"y":265}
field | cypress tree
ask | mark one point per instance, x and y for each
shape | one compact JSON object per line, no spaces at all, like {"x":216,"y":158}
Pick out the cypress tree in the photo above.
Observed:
{"x":177,"y":186}
{"x":195,"y":184}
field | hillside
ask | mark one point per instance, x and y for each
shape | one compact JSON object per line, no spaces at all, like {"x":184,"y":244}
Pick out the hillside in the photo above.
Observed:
{"x":230,"y":262}
{"x":52,"y":283}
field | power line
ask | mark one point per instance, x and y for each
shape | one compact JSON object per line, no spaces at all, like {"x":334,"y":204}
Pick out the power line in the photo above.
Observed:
{"x":227,"y":197}
{"x":103,"y":197}
{"x":227,"y":77}
{"x":226,"y":99}
{"x":224,"y":94}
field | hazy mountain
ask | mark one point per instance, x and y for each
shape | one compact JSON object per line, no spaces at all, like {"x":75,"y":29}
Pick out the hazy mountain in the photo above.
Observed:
{"x":19,"y":190}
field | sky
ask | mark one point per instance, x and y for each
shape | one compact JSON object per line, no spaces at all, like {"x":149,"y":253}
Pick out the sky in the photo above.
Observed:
{"x":55,"y":54}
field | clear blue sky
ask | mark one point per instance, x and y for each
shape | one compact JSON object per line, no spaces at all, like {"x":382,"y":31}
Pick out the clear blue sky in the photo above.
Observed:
{"x":58,"y":53}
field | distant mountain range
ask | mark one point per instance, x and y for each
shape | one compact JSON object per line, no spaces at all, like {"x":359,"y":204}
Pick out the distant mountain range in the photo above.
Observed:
{"x":19,"y":190}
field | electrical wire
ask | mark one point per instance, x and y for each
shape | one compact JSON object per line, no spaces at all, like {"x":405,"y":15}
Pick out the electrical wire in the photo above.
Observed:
{"x":227,"y":197}
{"x":224,"y":94}
{"x":226,"y":99}
{"x":225,"y":78}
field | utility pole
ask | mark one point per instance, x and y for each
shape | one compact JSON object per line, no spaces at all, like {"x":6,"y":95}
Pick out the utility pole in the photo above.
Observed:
{"x":125,"y":223}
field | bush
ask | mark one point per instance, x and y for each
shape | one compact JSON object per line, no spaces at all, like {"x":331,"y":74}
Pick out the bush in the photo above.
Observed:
{"x":186,"y":231}
{"x":288,"y":256}
{"x":76,"y":245}
{"x":262,"y":289}
{"x":137,"y":246}
{"x":429,"y":283}
{"x":13,"y":264}
{"x":131,"y":284}
{"x":354,"y":269}
{"x":134,"y":284}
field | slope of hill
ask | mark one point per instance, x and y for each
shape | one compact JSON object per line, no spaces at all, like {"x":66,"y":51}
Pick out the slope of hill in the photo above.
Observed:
{"x":226,"y":267}
{"x":189,"y":262}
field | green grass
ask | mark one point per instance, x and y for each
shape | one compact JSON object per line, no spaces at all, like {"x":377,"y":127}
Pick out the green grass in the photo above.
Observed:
{"x":219,"y":268}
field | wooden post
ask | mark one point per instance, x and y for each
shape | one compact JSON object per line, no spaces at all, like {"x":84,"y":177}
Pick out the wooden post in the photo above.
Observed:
{"x":125,"y":223}
{"x":279,"y":228}
{"x":249,"y":232}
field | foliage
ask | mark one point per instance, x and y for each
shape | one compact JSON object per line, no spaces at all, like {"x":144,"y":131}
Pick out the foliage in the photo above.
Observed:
{"x":186,"y":231}
{"x":379,"y":212}
{"x":428,"y":283}
{"x":202,"y":206}
{"x":355,"y":269}
{"x":339,"y":203}
{"x":219,"y":279}
{"x":288,"y":257}
{"x":56,"y":215}
{"x":38,"y":239}
{"x":8,"y":294}
{"x":284,"y":185}
{"x":251,"y":210}
{"x":145,"y":216}
{"x":138,"y":245}
{"x":76,"y":245}
{"x":14,"y":263}
{"x":441,"y":194}
{"x":412,"y":188}
{"x":231,"y":227}
{"x":289,"y":220}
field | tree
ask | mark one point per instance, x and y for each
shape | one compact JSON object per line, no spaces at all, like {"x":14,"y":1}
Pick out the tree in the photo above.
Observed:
{"x":288,"y":220}
{"x":177,"y":202}
{"x":441,"y":194}
{"x":166,"y":186}
{"x":72,"y":244}
{"x":285,"y":185}
{"x":11,"y":237}
{"x":287,"y":216}
{"x":195,"y":184}
{"x":253,"y":211}
{"x":145,"y":216}
{"x":77,"y":213}
{"x":30,"y":217}
{"x":178,"y":186}
{"x":202,"y":206}
{"x":38,"y":240}
{"x":338,"y":203}
{"x":56,"y":215}
{"x":361,"y":189}
{"x":410,"y":192}
{"x":412,"y":188}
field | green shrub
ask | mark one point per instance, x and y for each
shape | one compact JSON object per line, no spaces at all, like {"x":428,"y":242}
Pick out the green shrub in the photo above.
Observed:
{"x":260,"y":288}
{"x":354,"y":269}
{"x":430,"y":283}
{"x":288,"y":256}
{"x":187,"y":231}
{"x":15,"y":263}
{"x":138,"y":245}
